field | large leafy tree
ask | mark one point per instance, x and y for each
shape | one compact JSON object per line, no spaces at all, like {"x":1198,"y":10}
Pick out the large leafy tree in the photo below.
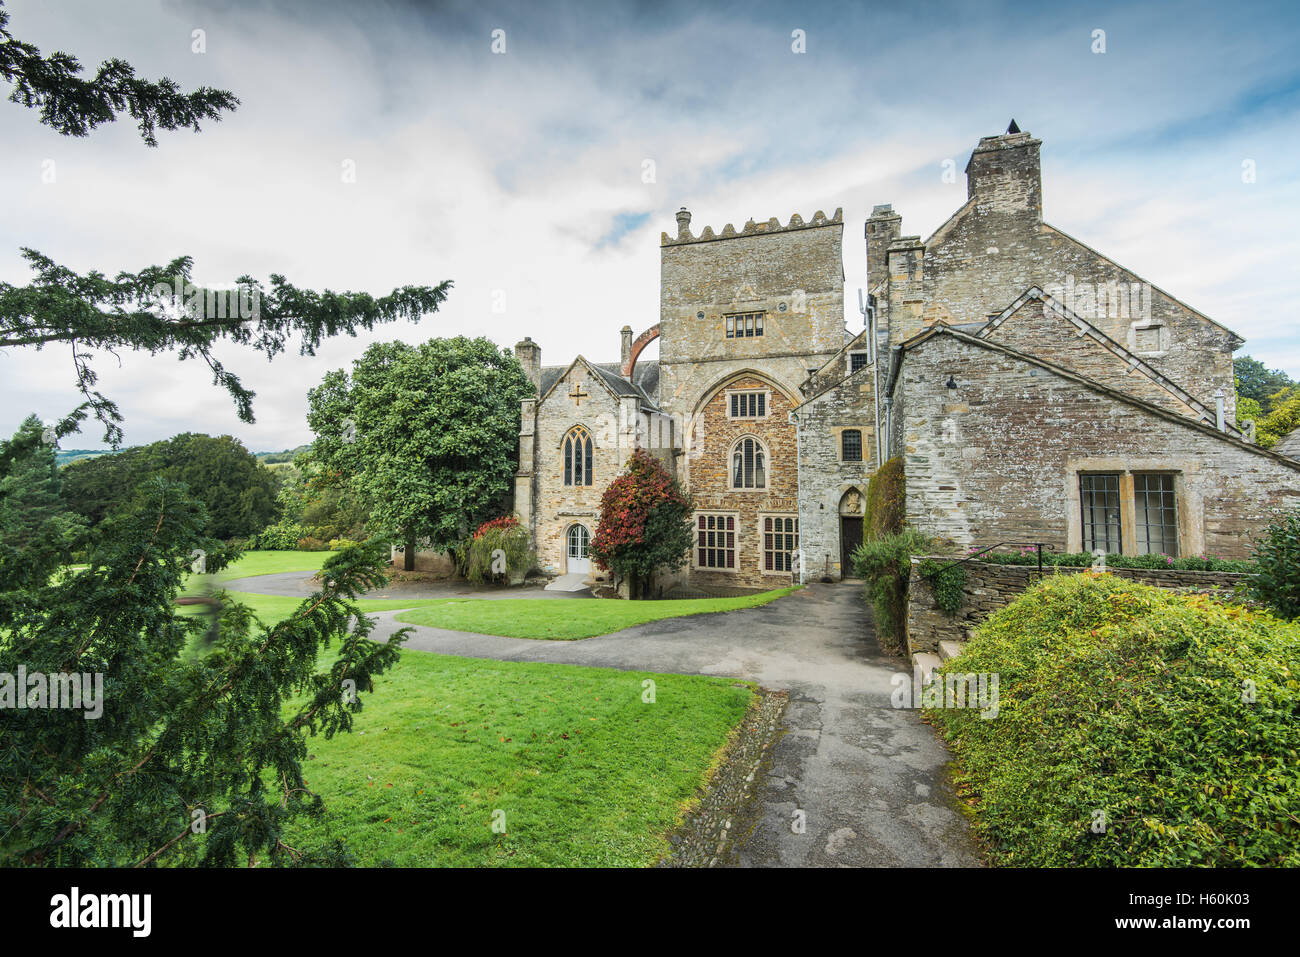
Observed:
{"x":239,"y":491}
{"x":195,"y":736}
{"x":1258,"y":382}
{"x":427,"y":434}
{"x":645,"y":523}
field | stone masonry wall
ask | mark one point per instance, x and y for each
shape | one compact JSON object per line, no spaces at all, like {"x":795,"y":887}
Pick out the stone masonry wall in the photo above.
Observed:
{"x":708,"y":481}
{"x":825,"y":477}
{"x":990,"y":586}
{"x":999,"y":457}
{"x":794,"y":274}
{"x":997,"y":246}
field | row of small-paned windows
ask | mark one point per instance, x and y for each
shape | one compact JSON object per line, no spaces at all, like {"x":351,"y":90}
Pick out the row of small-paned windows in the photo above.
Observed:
{"x":1155,"y":513}
{"x":744,"y":325}
{"x":715,"y":541}
{"x":748,"y":405}
{"x":780,"y":541}
{"x":715,"y":544}
{"x":577,"y":457}
{"x":851,"y":445}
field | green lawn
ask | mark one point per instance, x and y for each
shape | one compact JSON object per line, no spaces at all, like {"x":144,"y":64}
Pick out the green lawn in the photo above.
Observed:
{"x":583,"y":771}
{"x":271,"y":563}
{"x":566,"y":620}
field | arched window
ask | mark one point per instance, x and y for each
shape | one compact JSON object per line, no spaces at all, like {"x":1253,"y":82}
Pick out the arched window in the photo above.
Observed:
{"x":577,"y":457}
{"x":748,"y":464}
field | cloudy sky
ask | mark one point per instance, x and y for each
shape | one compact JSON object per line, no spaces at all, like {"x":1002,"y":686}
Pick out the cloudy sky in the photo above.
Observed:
{"x":520,"y":175}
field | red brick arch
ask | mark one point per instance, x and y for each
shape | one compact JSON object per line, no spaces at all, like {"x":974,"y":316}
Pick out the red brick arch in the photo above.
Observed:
{"x":643,"y":340}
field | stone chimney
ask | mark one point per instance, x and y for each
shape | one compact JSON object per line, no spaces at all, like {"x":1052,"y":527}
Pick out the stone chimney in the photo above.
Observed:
{"x":883,"y":227}
{"x":683,"y":223}
{"x":529,"y":355}
{"x":1003,"y":175}
{"x":626,"y":332}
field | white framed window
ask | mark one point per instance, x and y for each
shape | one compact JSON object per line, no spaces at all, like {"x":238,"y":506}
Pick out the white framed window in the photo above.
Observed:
{"x":780,"y":538}
{"x":748,"y":464}
{"x":715,"y":541}
{"x":747,"y":405}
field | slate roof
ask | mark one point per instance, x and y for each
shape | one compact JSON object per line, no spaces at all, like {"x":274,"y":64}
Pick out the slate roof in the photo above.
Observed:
{"x":1289,"y":445}
{"x":644,"y":384}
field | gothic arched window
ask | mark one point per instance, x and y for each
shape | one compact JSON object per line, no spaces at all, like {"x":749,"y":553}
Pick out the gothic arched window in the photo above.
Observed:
{"x":748,"y":464}
{"x":577,"y":457}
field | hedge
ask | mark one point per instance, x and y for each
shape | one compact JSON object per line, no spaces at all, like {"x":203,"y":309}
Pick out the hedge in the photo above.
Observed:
{"x":1135,"y":727}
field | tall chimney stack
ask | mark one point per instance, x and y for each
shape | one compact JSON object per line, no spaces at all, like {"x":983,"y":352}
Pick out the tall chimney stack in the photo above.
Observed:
{"x":529,"y":355}
{"x":626,"y":332}
{"x":1004,"y":175}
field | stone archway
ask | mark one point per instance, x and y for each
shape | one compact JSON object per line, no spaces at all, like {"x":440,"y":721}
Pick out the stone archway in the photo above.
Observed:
{"x":643,"y":340}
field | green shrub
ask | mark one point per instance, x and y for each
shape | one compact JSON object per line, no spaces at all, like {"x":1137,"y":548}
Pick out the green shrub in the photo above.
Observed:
{"x":885,"y":510}
{"x":1085,"y":559}
{"x":1276,"y":581}
{"x":282,"y":536}
{"x":885,"y":564}
{"x":513,"y":540}
{"x":947,"y":583}
{"x":338,"y":544}
{"x":1170,"y":719}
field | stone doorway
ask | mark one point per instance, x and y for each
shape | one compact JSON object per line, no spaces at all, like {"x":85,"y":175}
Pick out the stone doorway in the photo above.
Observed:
{"x":851,"y":508}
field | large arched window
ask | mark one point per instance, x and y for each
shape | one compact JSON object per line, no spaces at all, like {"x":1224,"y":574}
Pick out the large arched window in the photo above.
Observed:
{"x":748,"y":464}
{"x":577,"y":457}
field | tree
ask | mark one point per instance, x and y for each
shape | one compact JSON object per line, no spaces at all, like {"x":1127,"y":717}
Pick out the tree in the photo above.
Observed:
{"x":32,"y":506}
{"x":427,"y":434}
{"x":184,"y":743}
{"x":645,"y":523}
{"x":1282,"y":417}
{"x":239,"y":491}
{"x":1255,"y":381}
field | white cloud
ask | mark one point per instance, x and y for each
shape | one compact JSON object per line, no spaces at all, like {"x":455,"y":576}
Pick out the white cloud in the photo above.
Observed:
{"x":506,"y":172}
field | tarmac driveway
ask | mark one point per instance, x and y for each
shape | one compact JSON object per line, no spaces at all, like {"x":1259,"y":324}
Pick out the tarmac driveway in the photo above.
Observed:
{"x":869,"y":778}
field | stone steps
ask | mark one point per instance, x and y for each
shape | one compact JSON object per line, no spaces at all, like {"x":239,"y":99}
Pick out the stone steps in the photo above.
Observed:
{"x":926,"y":661}
{"x":950,"y":649}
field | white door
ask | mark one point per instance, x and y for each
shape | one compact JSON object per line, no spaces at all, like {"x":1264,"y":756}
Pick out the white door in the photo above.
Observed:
{"x":577,"y":560}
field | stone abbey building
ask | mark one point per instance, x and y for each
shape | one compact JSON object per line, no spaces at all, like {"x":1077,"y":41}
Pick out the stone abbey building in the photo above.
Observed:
{"x":1035,"y":390}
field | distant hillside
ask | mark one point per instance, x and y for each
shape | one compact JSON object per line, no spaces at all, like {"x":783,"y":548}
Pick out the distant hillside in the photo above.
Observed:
{"x":64,"y":456}
{"x":276,"y":458}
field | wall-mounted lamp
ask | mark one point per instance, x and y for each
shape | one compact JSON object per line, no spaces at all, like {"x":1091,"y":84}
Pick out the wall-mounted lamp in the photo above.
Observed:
{"x":951,"y":383}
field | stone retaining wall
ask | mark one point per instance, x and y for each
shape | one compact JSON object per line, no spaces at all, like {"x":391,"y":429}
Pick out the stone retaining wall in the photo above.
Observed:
{"x":990,"y":586}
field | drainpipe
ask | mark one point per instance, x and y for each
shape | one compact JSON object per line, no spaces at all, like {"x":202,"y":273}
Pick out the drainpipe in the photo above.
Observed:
{"x":798,"y":488}
{"x":1220,"y":417}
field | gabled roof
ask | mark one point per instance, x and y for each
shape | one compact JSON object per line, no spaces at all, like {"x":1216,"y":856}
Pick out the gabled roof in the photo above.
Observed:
{"x":1289,"y":445}
{"x":941,"y":329}
{"x":607,"y":374}
{"x":860,"y":339}
{"x":1135,"y":363}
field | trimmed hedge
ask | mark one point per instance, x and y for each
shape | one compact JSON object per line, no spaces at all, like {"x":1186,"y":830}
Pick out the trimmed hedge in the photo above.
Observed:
{"x":1135,"y":727}
{"x":1085,"y":559}
{"x":885,"y":564}
{"x":885,"y":511}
